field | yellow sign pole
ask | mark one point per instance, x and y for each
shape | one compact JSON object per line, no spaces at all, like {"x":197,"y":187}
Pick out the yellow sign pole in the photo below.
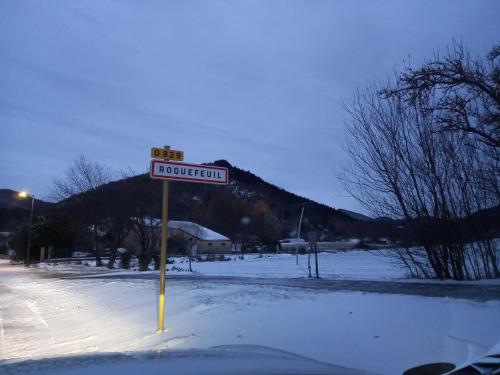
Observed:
{"x":163,"y":255}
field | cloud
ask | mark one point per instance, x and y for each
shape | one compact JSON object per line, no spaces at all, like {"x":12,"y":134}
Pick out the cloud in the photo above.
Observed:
{"x":257,"y":83}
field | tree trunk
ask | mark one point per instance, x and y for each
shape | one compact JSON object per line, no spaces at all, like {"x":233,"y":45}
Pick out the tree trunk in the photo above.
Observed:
{"x":125,"y":260}
{"x":144,"y":261}
{"x":156,"y":259}
{"x":112,"y":258}
{"x":98,"y":260}
{"x":97,"y":253}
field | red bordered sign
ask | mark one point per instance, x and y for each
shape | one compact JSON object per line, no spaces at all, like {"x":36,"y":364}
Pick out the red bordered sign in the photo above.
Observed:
{"x":172,"y":170}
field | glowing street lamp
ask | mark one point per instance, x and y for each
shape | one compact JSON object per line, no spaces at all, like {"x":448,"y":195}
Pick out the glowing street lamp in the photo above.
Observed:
{"x":24,"y":194}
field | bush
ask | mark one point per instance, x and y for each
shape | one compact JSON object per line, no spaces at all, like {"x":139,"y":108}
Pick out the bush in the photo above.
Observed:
{"x":178,"y":269}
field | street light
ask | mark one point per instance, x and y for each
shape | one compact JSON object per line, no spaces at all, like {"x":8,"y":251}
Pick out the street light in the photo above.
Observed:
{"x":298,"y":231}
{"x":24,"y":194}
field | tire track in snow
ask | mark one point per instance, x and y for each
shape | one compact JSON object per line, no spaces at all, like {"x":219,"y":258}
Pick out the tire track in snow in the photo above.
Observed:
{"x":34,"y":310}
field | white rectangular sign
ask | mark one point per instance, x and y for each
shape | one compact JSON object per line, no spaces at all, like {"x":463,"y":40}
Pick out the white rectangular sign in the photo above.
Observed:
{"x":172,"y":170}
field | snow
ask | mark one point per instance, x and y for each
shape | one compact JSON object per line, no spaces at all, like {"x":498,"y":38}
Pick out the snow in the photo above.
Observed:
{"x":351,"y":265}
{"x":194,"y":229}
{"x":359,"y":265}
{"x":197,"y":230}
{"x":348,"y":265}
{"x":383,"y":333}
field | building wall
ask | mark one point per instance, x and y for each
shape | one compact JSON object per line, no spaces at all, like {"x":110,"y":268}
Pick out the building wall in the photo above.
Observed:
{"x":131,"y":242}
{"x":214,"y":247}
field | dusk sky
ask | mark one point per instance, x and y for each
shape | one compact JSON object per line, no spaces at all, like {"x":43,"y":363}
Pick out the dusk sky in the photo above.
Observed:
{"x":258,"y":83}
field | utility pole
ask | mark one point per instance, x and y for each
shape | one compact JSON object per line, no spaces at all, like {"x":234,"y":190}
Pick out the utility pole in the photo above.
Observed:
{"x":24,"y":194}
{"x":300,"y":220}
{"x":298,"y":234}
{"x":29,"y":232}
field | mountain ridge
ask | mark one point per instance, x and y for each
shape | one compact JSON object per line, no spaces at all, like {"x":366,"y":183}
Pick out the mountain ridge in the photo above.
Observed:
{"x":222,"y":208}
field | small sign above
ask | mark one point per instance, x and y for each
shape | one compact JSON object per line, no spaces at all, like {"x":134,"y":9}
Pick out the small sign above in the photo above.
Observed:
{"x":161,"y":153}
{"x":207,"y":174}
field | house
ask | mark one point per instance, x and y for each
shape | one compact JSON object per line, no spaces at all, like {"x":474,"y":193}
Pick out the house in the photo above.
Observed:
{"x":199,"y":239}
{"x":206,"y":240}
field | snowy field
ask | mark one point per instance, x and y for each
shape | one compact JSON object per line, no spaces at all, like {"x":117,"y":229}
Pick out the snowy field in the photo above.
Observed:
{"x":380,"y":333}
{"x":345,"y":265}
{"x":355,"y":265}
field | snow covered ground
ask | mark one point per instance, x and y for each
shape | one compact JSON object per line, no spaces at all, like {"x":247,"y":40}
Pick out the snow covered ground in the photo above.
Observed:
{"x":45,"y":316}
{"x":348,"y":265}
{"x":358,"y":265}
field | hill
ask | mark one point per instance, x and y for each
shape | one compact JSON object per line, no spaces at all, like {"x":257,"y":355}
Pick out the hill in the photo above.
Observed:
{"x":355,"y":215}
{"x":14,"y":210}
{"x":247,"y":207}
{"x":9,"y":200}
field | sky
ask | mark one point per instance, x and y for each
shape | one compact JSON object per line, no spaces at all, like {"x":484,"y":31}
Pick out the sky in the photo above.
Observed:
{"x":256,"y":82}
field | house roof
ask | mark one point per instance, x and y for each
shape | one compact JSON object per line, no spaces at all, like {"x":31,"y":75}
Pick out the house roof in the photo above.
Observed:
{"x":189,"y":227}
{"x":196,"y":230}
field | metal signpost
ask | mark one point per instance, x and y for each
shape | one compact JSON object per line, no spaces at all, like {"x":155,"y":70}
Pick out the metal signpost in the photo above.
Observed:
{"x":166,"y":170}
{"x":313,"y":245}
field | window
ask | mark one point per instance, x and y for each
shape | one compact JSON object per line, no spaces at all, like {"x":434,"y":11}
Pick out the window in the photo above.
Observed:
{"x":223,"y":244}
{"x":210,"y":244}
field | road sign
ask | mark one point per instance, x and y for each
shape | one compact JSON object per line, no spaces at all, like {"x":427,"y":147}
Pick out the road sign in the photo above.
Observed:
{"x":170,"y":170}
{"x":173,"y":170}
{"x":161,"y":153}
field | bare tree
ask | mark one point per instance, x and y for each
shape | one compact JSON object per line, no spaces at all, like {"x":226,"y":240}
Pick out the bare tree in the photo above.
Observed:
{"x":464,"y":92}
{"x":144,"y":239}
{"x":402,"y":165}
{"x":196,"y":233}
{"x":80,"y":177}
{"x":84,"y":176}
{"x":116,"y":229}
{"x":116,"y":238}
{"x":119,"y":197}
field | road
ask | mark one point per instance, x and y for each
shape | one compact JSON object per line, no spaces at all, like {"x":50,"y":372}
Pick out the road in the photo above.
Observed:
{"x":479,"y":293}
{"x":45,"y":314}
{"x":43,"y":335}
